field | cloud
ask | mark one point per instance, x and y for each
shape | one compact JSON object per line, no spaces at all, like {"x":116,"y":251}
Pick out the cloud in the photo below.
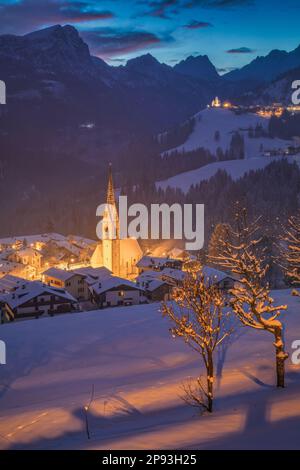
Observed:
{"x":218,"y":3}
{"x":28,"y":15}
{"x":198,"y":25}
{"x":241,"y":50}
{"x":110,"y":42}
{"x":159,"y":8}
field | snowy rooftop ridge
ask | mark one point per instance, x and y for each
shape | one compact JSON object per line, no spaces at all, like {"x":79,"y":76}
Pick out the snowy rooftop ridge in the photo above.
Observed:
{"x":31,"y":290}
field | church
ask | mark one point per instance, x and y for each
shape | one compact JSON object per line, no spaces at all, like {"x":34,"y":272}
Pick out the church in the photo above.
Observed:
{"x":118,"y":255}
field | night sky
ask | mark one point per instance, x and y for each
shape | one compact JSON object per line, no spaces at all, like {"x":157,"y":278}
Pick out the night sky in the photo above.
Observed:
{"x":230,"y":32}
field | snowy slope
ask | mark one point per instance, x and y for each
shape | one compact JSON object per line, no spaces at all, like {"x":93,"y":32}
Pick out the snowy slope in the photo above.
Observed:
{"x":235,"y":168}
{"x":137,"y":370}
{"x":210,"y":120}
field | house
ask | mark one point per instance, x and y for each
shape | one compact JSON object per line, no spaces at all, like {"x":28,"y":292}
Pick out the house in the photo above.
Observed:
{"x":222,"y":279}
{"x":152,"y":263}
{"x":27,"y":256}
{"x":76,"y":282}
{"x":157,"y":290}
{"x":35,"y":299}
{"x":93,"y":274}
{"x":115,"y":291}
{"x":156,"y":287}
{"x":16,"y":269}
{"x":73,"y":282}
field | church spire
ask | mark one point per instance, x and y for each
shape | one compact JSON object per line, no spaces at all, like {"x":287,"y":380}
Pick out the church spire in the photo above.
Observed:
{"x":110,"y":195}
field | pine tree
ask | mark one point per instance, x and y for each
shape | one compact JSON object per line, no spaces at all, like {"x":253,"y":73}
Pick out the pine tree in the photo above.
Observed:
{"x":250,"y":298}
{"x":197,"y":314}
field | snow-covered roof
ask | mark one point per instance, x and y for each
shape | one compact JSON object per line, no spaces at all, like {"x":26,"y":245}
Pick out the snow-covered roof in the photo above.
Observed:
{"x":28,"y":251}
{"x":154,"y":284}
{"x":148,"y":275}
{"x":44,"y":237}
{"x":32,"y":290}
{"x":68,"y":246}
{"x":82,"y":242}
{"x":60,"y":274}
{"x":169,"y":274}
{"x":9,"y":283}
{"x":215,"y":275}
{"x":9,"y":266}
{"x":175,"y":274}
{"x":113,"y":282}
{"x":96,"y":273}
{"x":148,"y":261}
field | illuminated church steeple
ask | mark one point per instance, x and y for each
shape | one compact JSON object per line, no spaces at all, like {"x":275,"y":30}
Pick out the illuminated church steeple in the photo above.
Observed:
{"x":111,"y":232}
{"x":118,"y":255}
{"x":110,"y":195}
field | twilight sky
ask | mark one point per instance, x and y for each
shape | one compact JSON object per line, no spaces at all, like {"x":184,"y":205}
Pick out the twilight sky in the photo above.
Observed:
{"x":230,"y":32}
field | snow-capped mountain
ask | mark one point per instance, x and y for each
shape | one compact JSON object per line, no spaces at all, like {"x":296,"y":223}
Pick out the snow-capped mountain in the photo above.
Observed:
{"x":56,"y":63}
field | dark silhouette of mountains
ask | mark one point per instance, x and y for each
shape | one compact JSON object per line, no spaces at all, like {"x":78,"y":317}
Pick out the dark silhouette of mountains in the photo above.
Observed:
{"x":198,"y":67}
{"x":265,"y":69}
{"x":53,"y":70}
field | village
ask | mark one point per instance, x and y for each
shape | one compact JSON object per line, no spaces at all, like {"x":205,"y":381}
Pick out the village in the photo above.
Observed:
{"x":50,"y":274}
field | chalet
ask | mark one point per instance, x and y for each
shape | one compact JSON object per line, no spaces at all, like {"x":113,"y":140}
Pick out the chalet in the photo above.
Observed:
{"x":35,"y":299}
{"x":152,"y":263}
{"x":155,"y":286}
{"x":76,"y":282}
{"x":73,"y":282}
{"x":158,"y":285}
{"x":157,"y":290}
{"x":222,"y":279}
{"x":115,"y":291}
{"x":93,"y":274}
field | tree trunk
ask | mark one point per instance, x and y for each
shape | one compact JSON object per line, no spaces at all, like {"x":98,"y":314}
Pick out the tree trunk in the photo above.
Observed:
{"x":210,"y":382}
{"x":281,"y":356}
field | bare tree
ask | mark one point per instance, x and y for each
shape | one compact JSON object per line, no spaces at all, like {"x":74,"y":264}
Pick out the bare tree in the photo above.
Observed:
{"x":291,"y":249}
{"x":241,"y":254}
{"x":221,"y":230}
{"x":197,"y":314}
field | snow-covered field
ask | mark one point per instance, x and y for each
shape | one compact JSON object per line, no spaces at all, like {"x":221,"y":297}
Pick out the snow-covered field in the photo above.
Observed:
{"x":235,"y":168}
{"x":226,"y":122}
{"x":210,"y":120}
{"x":137,"y":369}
